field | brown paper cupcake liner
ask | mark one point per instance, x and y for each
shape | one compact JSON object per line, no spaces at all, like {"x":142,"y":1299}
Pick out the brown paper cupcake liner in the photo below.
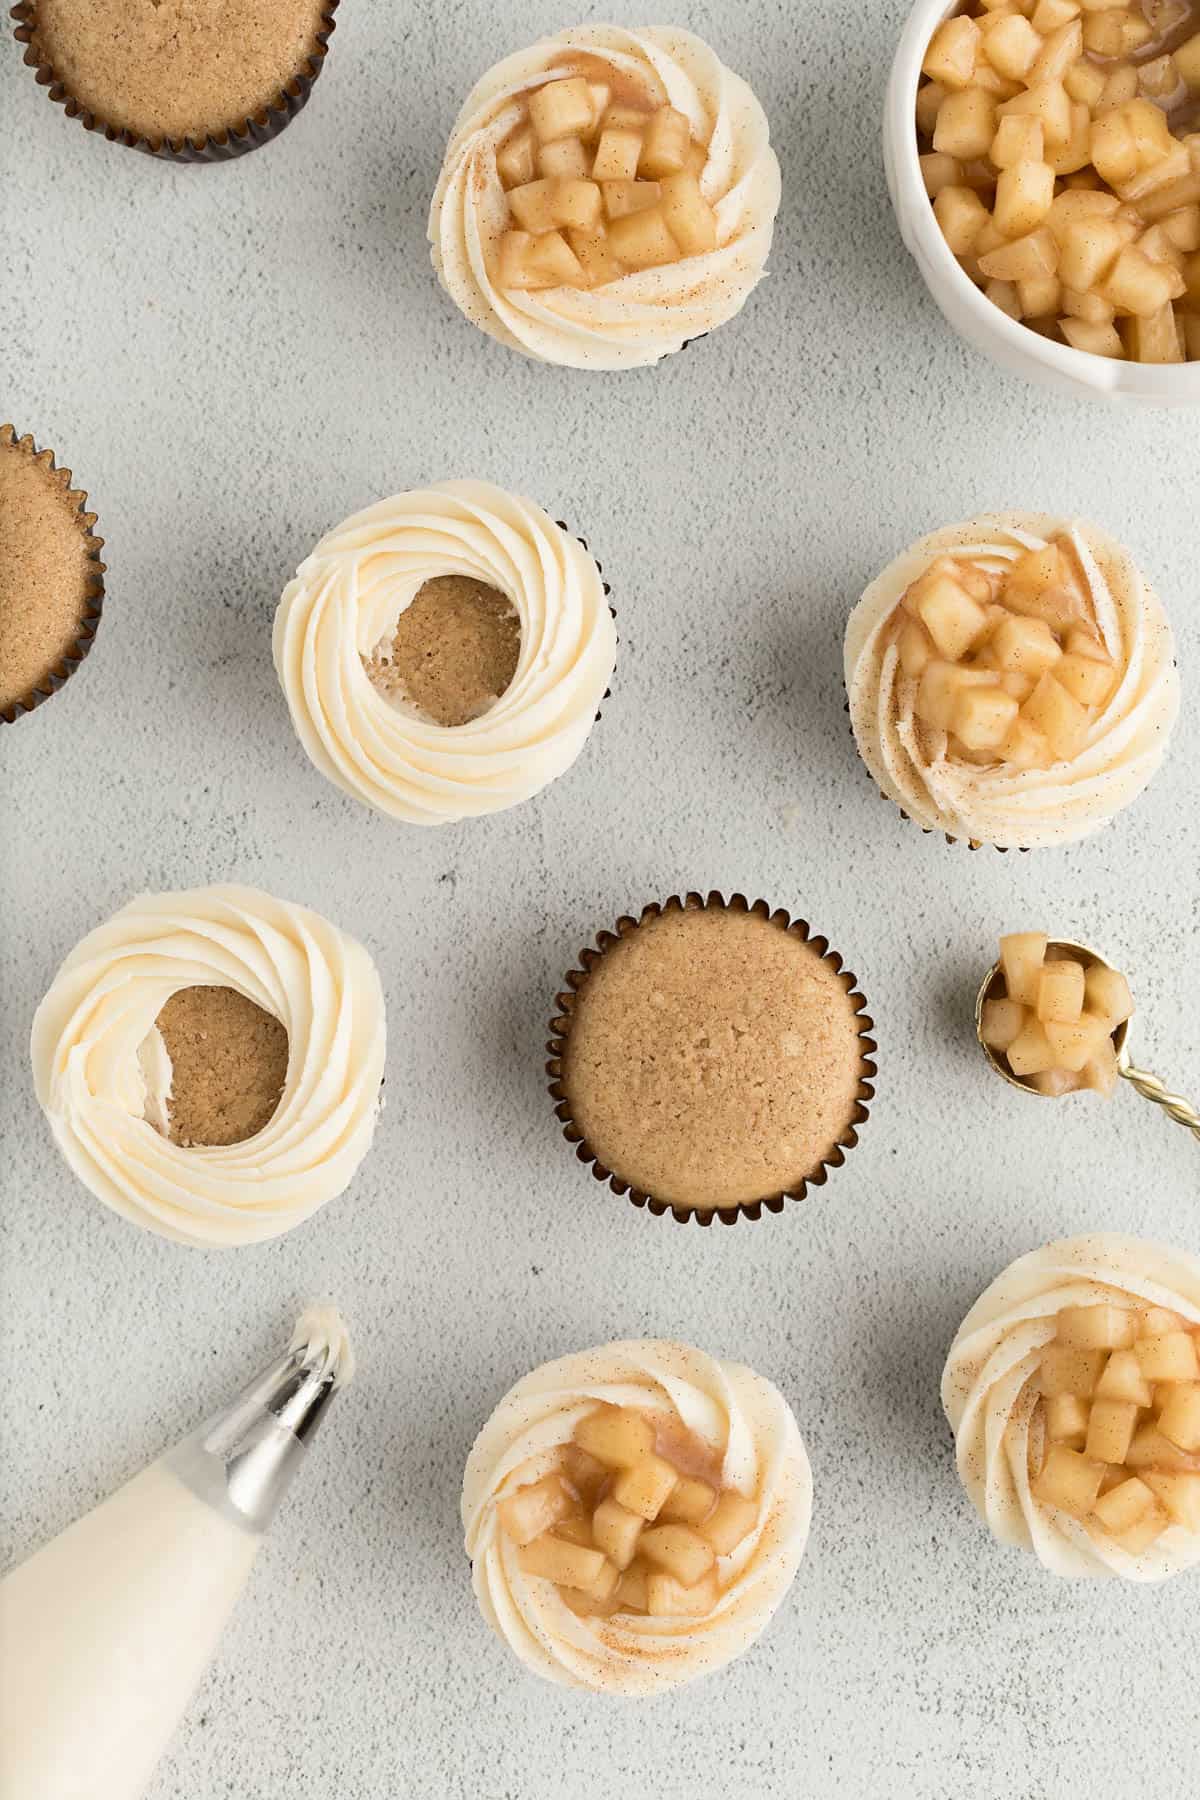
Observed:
{"x":61,"y":673}
{"x":236,"y":141}
{"x":930,"y":830}
{"x":563,"y":526}
{"x":560,"y":1029}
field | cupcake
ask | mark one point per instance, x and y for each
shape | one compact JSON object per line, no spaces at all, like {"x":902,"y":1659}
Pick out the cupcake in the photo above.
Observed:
{"x":199,"y":83}
{"x":711,"y":1060}
{"x":634,"y":1515}
{"x":210,"y":1063}
{"x":1073,"y":1388}
{"x":443,"y":653}
{"x":51,"y":576}
{"x":1011,"y":680}
{"x":606,"y":196}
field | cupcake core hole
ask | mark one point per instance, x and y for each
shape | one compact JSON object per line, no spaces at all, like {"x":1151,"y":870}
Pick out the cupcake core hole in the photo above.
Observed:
{"x":228,"y":1064}
{"x":453,"y":652}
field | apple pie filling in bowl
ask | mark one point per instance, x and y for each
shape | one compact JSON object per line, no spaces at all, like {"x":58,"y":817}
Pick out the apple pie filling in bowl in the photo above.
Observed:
{"x":1044,"y":162}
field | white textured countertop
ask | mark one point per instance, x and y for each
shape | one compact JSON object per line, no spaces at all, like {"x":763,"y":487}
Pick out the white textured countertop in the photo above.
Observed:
{"x":231,"y":360}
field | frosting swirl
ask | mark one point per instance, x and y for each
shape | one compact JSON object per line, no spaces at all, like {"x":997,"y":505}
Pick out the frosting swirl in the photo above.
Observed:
{"x":1017,"y":808}
{"x":739,"y":1414}
{"x":642,"y":317}
{"x":991,"y":1397}
{"x":349,"y":593}
{"x":102,"y":1072}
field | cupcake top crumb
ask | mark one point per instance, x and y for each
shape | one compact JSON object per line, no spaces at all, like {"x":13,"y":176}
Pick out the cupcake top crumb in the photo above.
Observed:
{"x":229,"y":1062}
{"x":713,"y":1058}
{"x":49,"y":572}
{"x":175,"y":69}
{"x":453,"y":652}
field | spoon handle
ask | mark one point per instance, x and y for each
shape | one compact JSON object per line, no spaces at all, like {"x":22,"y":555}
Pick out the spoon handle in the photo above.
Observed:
{"x":1174,"y":1105}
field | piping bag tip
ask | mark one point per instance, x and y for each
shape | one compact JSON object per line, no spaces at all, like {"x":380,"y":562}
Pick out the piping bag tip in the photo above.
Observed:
{"x":323,"y":1345}
{"x":243,"y":1459}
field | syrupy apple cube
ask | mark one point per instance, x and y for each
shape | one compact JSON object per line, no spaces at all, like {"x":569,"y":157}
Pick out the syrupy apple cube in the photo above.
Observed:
{"x":617,"y":1436}
{"x":1069,"y":1481}
{"x":643,"y":1488}
{"x":1099,"y":1327}
{"x":1064,"y":1369}
{"x":532,"y":1510}
{"x":679,"y":1550}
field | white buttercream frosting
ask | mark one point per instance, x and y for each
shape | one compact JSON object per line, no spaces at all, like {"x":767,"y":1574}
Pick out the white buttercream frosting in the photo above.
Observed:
{"x":1016,"y":808}
{"x":991,"y":1395}
{"x":741,"y":1416}
{"x":102,"y":1072}
{"x":347,"y":596}
{"x":322,"y":1337}
{"x":643,"y":316}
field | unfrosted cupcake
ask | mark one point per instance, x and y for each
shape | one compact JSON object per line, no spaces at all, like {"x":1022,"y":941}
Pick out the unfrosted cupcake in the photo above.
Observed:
{"x":210,"y":1063}
{"x":1073,"y":1388}
{"x":195,"y":80}
{"x":634,"y":1515}
{"x":606,"y":196}
{"x":444,"y":652}
{"x":711,"y":1059}
{"x":1011,"y":680}
{"x":51,"y":575}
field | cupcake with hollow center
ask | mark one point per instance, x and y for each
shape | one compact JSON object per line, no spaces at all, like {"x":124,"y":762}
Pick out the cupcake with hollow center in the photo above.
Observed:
{"x":1011,"y":680}
{"x":444,"y":652}
{"x":712,"y":1059}
{"x":51,"y":576}
{"x":210,"y":1063}
{"x":1073,"y":1390}
{"x":201,"y":79}
{"x":634,"y":1515}
{"x":606,"y":196}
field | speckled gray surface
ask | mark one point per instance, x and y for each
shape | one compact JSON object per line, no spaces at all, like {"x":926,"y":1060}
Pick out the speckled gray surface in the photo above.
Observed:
{"x":232,"y":359}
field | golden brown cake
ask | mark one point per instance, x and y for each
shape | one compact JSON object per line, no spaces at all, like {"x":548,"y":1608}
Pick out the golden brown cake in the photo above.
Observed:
{"x":51,"y":576}
{"x":713,"y":1058}
{"x":229,"y":1062}
{"x":173,"y":71}
{"x":453,"y":652}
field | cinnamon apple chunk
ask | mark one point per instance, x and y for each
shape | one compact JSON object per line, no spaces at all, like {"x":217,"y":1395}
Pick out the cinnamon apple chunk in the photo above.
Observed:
{"x":667,"y":1598}
{"x":679,"y":1550}
{"x":1069,"y":1481}
{"x":565,"y":1564}
{"x":1179,"y":1419}
{"x":532,"y":1510}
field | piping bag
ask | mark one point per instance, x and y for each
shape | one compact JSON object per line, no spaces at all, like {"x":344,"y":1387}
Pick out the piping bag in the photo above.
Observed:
{"x":106,"y":1632}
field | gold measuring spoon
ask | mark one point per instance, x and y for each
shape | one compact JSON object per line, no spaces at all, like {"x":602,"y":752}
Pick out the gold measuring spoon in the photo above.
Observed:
{"x":1149,"y":1086}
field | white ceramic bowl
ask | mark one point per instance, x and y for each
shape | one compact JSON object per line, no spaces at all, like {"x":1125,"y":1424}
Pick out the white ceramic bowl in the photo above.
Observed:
{"x":1012,"y":345}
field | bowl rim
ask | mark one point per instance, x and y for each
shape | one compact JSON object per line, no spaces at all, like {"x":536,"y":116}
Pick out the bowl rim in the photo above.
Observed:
{"x":1163,"y":383}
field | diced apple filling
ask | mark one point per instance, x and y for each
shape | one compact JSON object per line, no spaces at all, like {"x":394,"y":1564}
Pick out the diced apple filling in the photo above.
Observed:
{"x":619,"y":1526}
{"x":1049,"y":1017}
{"x":1080,"y":116}
{"x":1121,"y":1411}
{"x":1010,"y":667}
{"x":578,"y":170}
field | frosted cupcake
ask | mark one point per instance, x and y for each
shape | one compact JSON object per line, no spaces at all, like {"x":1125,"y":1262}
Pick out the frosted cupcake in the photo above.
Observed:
{"x":634,"y":1515}
{"x":606,"y":196}
{"x":210,"y":1063}
{"x":1011,"y":680}
{"x":444,"y":652}
{"x":1073,"y":1388}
